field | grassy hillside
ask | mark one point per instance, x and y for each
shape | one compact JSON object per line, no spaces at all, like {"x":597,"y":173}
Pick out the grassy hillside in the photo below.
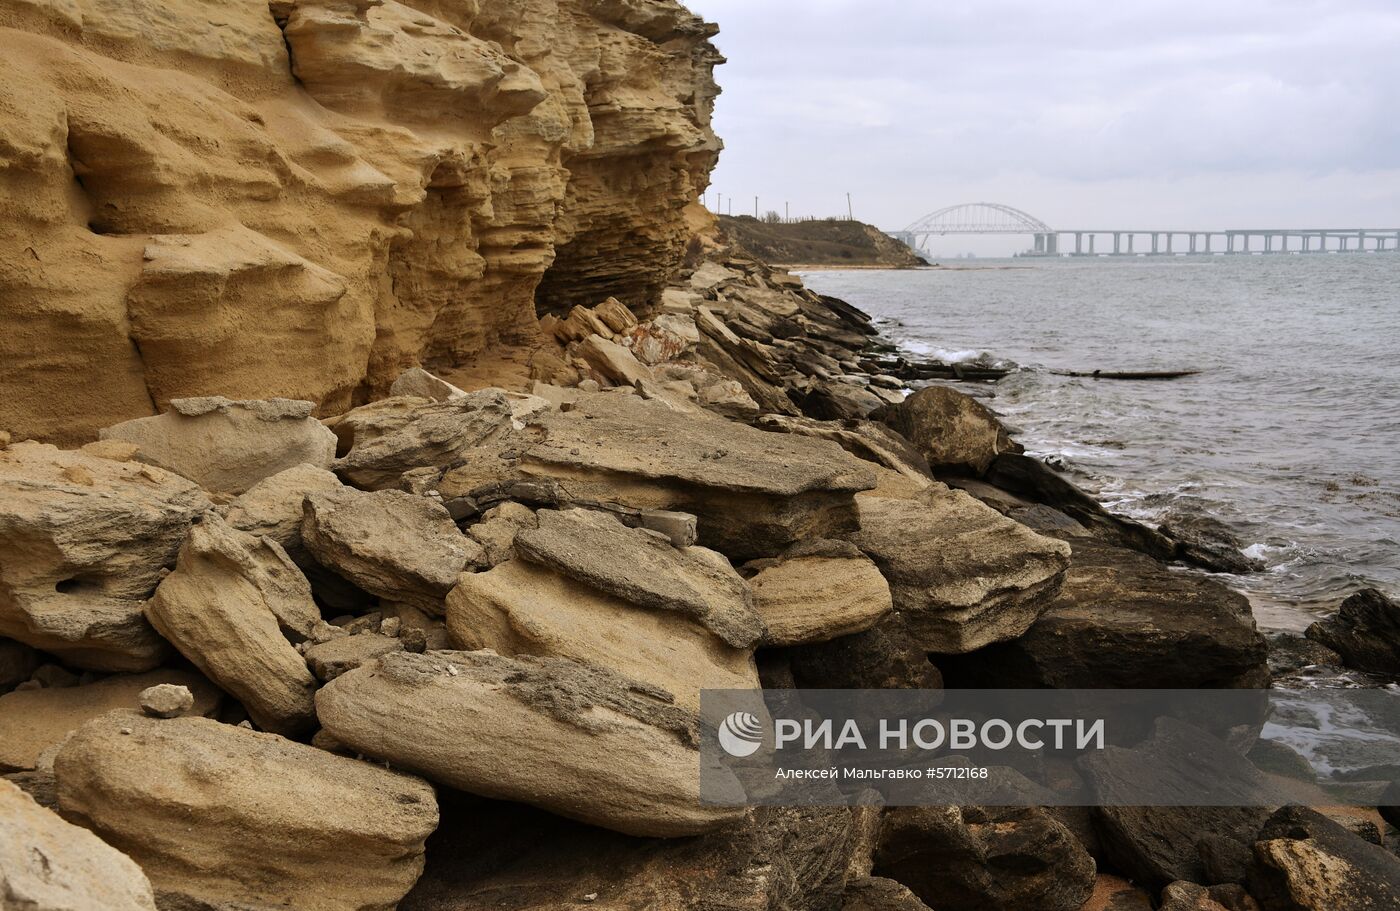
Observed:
{"x":818,"y":243}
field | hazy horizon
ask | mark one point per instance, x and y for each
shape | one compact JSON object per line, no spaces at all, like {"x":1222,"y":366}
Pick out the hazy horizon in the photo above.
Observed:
{"x":1182,"y":115}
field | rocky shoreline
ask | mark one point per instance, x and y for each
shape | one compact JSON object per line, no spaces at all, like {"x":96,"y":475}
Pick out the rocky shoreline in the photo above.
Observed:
{"x":391,"y":451}
{"x":444,"y":650}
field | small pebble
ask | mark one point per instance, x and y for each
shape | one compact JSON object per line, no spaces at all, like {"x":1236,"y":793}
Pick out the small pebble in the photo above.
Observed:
{"x":166,"y":700}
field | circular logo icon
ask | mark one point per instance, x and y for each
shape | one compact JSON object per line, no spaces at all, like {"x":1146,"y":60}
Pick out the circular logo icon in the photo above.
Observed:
{"x":740,"y":734}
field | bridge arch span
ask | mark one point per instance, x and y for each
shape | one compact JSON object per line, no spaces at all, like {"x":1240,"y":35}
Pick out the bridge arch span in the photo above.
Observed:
{"x":978,"y":218}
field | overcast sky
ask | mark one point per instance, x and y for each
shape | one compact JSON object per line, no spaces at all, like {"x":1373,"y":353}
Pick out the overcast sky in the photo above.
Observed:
{"x":1141,"y":114}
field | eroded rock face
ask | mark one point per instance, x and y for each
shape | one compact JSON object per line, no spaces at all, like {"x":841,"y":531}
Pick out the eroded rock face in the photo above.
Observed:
{"x":225,"y":608}
{"x":229,"y":446}
{"x":574,"y":739}
{"x":83,"y":541}
{"x":962,"y":575}
{"x":46,"y":863}
{"x":279,"y":823}
{"x":369,"y":186}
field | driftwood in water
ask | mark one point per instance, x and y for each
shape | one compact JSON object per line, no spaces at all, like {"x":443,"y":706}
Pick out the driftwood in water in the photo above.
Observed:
{"x":1128,"y":374}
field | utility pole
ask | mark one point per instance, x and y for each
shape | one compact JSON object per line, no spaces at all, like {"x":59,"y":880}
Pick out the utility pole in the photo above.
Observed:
{"x":787,"y":212}
{"x":850,"y":213}
{"x":755,"y":208}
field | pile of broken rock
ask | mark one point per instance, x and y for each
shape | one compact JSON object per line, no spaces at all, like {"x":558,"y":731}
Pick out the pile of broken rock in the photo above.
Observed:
{"x":444,"y":650}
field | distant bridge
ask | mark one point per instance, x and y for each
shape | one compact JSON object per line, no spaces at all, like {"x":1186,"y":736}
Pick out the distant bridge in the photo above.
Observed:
{"x":995,"y":218}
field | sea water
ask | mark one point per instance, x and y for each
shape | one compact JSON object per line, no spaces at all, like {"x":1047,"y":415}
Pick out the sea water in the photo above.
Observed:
{"x":1290,"y":433}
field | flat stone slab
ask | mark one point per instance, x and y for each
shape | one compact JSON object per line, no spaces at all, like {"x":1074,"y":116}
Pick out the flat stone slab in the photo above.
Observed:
{"x":575,"y":739}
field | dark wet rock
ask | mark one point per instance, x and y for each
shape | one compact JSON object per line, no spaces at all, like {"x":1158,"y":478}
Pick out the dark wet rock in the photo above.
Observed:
{"x":1289,"y":654}
{"x":1223,"y":859}
{"x":1207,"y":542}
{"x":1390,"y":804}
{"x":1365,"y":631}
{"x":1305,"y":862}
{"x":1157,"y":845}
{"x":953,"y":431}
{"x":984,"y":858}
{"x":883,"y":657}
{"x":508,"y":857}
{"x":875,"y":893}
{"x":1124,"y":620}
{"x":1036,"y":481}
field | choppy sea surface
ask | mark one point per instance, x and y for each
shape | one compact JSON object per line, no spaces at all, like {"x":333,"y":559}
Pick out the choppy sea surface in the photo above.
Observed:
{"x":1290,"y":434}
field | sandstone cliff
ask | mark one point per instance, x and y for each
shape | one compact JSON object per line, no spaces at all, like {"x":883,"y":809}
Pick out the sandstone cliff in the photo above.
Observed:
{"x":301,"y":199}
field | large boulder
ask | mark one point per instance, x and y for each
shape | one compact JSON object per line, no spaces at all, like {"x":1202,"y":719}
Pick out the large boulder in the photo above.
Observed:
{"x":83,"y":542}
{"x":985,"y":858}
{"x":493,"y":856}
{"x":395,"y":545}
{"x":962,"y":575}
{"x":755,"y":493}
{"x":1182,"y":764}
{"x":952,"y":430}
{"x":47,"y":864}
{"x":575,"y":739}
{"x":226,"y":606}
{"x":1124,"y":620}
{"x":35,"y":720}
{"x":817,"y":591}
{"x":229,"y":446}
{"x":272,"y":507}
{"x":1365,"y":631}
{"x":231,"y":817}
{"x":587,"y":587}
{"x":1306,"y":862}
{"x":389,"y":437}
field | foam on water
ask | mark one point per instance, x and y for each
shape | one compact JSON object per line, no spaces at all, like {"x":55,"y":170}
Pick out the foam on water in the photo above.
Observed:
{"x":1290,"y":435}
